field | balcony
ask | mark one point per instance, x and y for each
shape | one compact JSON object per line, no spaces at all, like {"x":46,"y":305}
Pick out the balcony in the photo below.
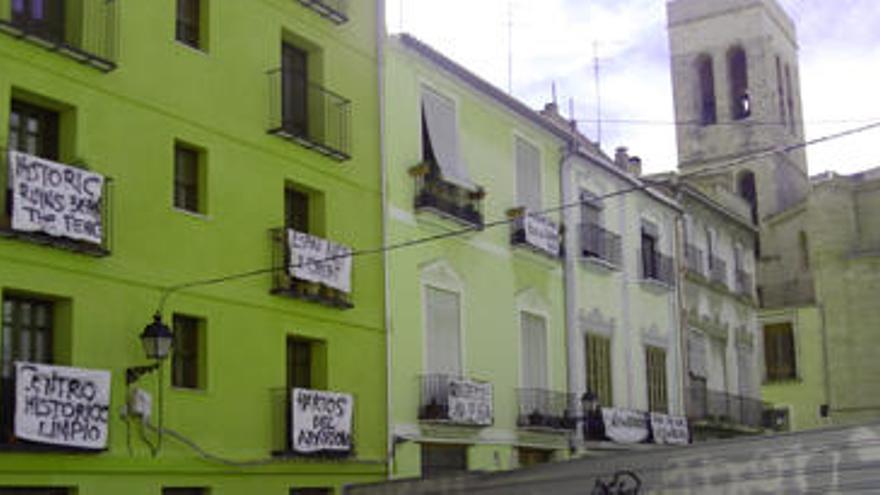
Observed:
{"x":601,"y":244}
{"x":446,"y":199}
{"x":720,"y":409}
{"x":657,"y":267}
{"x":541,"y":409}
{"x":79,"y":221}
{"x":284,"y":283}
{"x":743,"y":284}
{"x":536,"y":233}
{"x":694,"y":260}
{"x":85,"y":31}
{"x":338,"y":444}
{"x":336,"y":11}
{"x":308,"y":114}
{"x":718,"y":271}
{"x":451,"y":399}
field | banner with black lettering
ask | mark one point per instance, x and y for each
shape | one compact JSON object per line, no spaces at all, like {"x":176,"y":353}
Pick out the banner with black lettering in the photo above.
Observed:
{"x":542,"y":233}
{"x":470,"y":402}
{"x":669,"y":430}
{"x":60,"y":405}
{"x":54,"y":198}
{"x":319,"y":260}
{"x":321,"y":421}
{"x":624,"y":425}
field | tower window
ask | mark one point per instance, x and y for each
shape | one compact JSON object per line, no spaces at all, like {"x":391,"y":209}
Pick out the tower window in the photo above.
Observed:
{"x":708,"y":111}
{"x":741,"y":106}
{"x":790,"y":98}
{"x":748,"y":192}
{"x":780,"y":91}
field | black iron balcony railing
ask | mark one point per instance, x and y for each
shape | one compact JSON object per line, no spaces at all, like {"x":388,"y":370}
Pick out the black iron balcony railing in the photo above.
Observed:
{"x":546,"y":409}
{"x":309,"y":114}
{"x":657,"y":267}
{"x":721,"y":408}
{"x":446,"y":199}
{"x":436,"y":402}
{"x":59,"y":241}
{"x":86,"y":31}
{"x":281,"y":428}
{"x":284,"y":284}
{"x":694,"y":260}
{"x":334,"y":10}
{"x":545,"y":237}
{"x":718,"y":271}
{"x":600,"y":243}
{"x":743,"y":283}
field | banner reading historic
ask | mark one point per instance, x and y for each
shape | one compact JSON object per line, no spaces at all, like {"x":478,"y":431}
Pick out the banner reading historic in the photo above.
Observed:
{"x":470,"y":402}
{"x":54,"y":198}
{"x":60,"y":405}
{"x":321,"y":421}
{"x":542,"y":233}
{"x":319,"y":260}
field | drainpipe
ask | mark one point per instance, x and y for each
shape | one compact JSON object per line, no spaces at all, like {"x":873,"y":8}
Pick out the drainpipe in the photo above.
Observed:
{"x":825,"y":363}
{"x":569,"y":273}
{"x":381,"y":37}
{"x":681,"y":309}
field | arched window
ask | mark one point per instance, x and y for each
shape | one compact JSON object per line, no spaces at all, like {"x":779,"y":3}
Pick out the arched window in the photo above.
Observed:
{"x":740,"y":104}
{"x":748,"y":191}
{"x":706,"y":76}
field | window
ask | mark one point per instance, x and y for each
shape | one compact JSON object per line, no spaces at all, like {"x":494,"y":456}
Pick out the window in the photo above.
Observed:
{"x":306,"y":364}
{"x":697,"y":362}
{"x":528,"y":176}
{"x":189,"y":26}
{"x":33,"y":130}
{"x":442,"y":335}
{"x":779,"y":352}
{"x":744,"y":371}
{"x":43,"y":18}
{"x":780,"y":92}
{"x":303,"y":209}
{"x":188,"y":179}
{"x":717,"y":378}
{"x":311,"y":491}
{"x":185,"y":491}
{"x":443,"y":460}
{"x":33,"y":490}
{"x":598,"y":354}
{"x":655,"y":361}
{"x":804,"y":245}
{"x":533,"y":457}
{"x":706,"y":74}
{"x":740,"y":104}
{"x":534,"y":351}
{"x":710,"y":247}
{"x":188,"y":361}
{"x":790,"y":98}
{"x":650,"y":261}
{"x":748,"y":192}
{"x":295,"y":90}
{"x":440,"y":144}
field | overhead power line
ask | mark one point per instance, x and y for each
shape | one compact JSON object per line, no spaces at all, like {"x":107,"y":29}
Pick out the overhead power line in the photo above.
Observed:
{"x":661,"y":122}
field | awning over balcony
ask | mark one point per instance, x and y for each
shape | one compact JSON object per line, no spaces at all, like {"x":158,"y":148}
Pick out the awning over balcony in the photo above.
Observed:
{"x":440,"y":119}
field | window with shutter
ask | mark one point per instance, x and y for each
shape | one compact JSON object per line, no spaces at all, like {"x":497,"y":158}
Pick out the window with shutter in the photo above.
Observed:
{"x":779,"y":352}
{"x":442,"y":335}
{"x":655,"y":360}
{"x":528,"y":176}
{"x":534,"y":351}
{"x":599,"y":368}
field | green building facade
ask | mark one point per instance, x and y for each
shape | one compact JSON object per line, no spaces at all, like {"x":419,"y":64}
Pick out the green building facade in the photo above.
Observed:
{"x":215,"y":129}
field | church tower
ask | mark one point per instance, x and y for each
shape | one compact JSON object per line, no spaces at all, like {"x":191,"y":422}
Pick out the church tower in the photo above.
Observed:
{"x":737,"y":94}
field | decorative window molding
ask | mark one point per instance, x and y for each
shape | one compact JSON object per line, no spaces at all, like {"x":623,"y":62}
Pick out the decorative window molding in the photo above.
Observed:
{"x":594,"y":323}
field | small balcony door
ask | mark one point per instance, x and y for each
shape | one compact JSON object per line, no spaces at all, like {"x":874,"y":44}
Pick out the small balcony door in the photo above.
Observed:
{"x":295,"y":90}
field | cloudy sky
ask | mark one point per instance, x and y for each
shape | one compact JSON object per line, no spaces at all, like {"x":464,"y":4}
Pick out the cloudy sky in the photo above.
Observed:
{"x":555,"y":41}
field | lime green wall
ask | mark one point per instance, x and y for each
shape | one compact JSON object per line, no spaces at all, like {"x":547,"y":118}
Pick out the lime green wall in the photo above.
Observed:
{"x":126,"y":123}
{"x":495,"y":279}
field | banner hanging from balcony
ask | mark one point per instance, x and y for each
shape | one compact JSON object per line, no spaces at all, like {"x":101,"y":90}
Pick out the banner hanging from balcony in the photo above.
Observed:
{"x":321,"y":421}
{"x":470,"y":402}
{"x":542,"y":233}
{"x":625,"y":426}
{"x":669,"y":430}
{"x":319,"y":260}
{"x":64,"y":406}
{"x":54,"y":198}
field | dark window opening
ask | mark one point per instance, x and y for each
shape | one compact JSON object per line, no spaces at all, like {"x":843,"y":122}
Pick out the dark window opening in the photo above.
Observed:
{"x":780,"y":92}
{"x":42,"y":18}
{"x":741,"y":106}
{"x":295,"y":89}
{"x":33,"y":130}
{"x":296,"y":210}
{"x":188,"y":26}
{"x":186,"y":179}
{"x":33,"y":490}
{"x":187,"y":361}
{"x":655,"y":360}
{"x":650,"y":260}
{"x":185,"y":491}
{"x":708,"y":110}
{"x":790,"y":98}
{"x":300,"y":363}
{"x":748,"y":191}
{"x":533,"y":457}
{"x":804,"y":245}
{"x":311,"y":491}
{"x":443,"y":460}
{"x":779,"y":352}
{"x":599,"y":369}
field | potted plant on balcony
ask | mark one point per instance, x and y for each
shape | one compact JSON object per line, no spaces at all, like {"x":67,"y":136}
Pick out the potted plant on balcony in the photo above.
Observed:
{"x":420,"y":170}
{"x":477,"y":195}
{"x":536,"y":418}
{"x":434,"y":411}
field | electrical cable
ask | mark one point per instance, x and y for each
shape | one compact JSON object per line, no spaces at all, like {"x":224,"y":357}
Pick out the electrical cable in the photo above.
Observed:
{"x":753,"y":123}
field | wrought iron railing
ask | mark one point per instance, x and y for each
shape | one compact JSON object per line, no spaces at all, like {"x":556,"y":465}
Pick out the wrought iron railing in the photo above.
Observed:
{"x":309,"y":114}
{"x":285,"y":284}
{"x":600,"y":243}
{"x":718,"y":271}
{"x":694,"y":260}
{"x":546,"y":409}
{"x":720,"y":408}
{"x":434,"y":402}
{"x":657,"y":267}
{"x":59,"y":242}
{"x":448,"y":199}
{"x":334,"y":10}
{"x":743,"y":283}
{"x":86,"y":31}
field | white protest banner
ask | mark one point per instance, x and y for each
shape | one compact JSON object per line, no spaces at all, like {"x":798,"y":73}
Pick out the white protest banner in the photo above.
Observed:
{"x":321,"y":421}
{"x":669,"y":430}
{"x":470,"y":402}
{"x":319,"y":260}
{"x":54,"y":198}
{"x":625,"y":426}
{"x":59,"y":405}
{"x":541,"y":233}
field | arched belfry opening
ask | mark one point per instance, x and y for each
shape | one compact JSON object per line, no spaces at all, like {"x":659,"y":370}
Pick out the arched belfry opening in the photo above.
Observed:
{"x":738,"y":75}
{"x":747,"y":190}
{"x":706,"y":81}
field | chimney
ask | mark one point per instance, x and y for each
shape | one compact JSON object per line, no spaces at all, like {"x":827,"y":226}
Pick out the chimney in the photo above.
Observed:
{"x":635,"y":166}
{"x":621,"y":158}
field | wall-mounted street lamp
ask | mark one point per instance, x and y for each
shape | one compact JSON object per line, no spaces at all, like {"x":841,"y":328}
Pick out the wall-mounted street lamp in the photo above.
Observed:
{"x":156,"y":340}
